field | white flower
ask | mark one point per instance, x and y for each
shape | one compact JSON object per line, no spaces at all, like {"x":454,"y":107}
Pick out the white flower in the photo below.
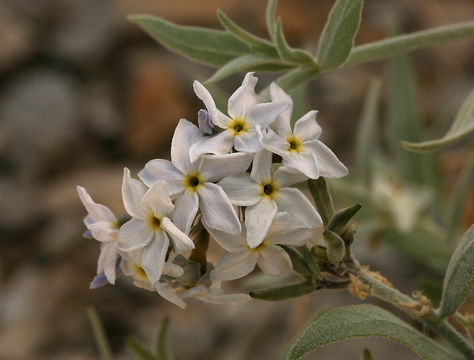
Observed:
{"x":150,"y":225}
{"x":192,"y":182}
{"x":265,"y":193}
{"x":103,"y":226}
{"x":300,"y":148}
{"x":240,"y":127}
{"x":270,"y":258}
{"x":214,"y":294}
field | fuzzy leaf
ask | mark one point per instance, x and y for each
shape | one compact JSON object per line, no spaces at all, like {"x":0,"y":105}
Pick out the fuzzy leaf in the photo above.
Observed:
{"x":256,"y":43}
{"x":366,"y":132}
{"x":459,"y":278}
{"x":297,"y":261}
{"x":270,"y":17}
{"x":285,"y":292}
{"x":337,"y":38}
{"x":246,"y":63}
{"x":335,"y":247}
{"x":288,"y":54}
{"x":361,"y":321}
{"x":462,"y":126}
{"x":341,"y":219}
{"x":211,"y":47}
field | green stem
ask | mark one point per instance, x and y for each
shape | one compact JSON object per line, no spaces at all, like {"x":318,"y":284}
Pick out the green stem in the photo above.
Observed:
{"x":404,"y":43}
{"x":395,"y":297}
{"x":99,"y":334}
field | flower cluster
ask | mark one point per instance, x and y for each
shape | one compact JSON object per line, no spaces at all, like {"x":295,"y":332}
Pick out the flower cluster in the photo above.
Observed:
{"x":221,"y":181}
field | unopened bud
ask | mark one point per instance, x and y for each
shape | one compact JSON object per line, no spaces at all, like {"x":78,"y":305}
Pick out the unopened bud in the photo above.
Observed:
{"x":336,"y":247}
{"x":340,"y":221}
{"x":205,"y":122}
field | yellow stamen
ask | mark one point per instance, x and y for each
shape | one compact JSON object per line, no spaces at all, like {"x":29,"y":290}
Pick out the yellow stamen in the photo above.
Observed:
{"x":155,"y":222}
{"x":238,"y":126}
{"x":269,"y":189}
{"x":193,"y":181}
{"x":294,"y":144}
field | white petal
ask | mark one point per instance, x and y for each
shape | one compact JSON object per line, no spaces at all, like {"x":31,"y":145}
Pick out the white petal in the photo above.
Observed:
{"x":284,"y":119}
{"x":159,"y":169}
{"x":220,"y":143}
{"x":306,"y":128}
{"x":258,"y":219}
{"x":185,"y":135}
{"x":217,"y":117}
{"x":154,"y":254}
{"x":214,"y":167}
{"x":170,"y":296}
{"x":244,"y":98}
{"x":274,"y":143}
{"x":134,"y":234}
{"x":248,"y":142}
{"x":132,"y":194}
{"x":285,"y":176}
{"x":173,"y":270}
{"x":328,"y":164}
{"x":216,"y":208}
{"x":274,"y":261}
{"x":186,"y":207}
{"x":219,"y":297}
{"x":107,"y":262}
{"x":104,"y":231}
{"x":266,"y":113}
{"x":230,"y":242}
{"x":304,"y":162}
{"x":157,"y":201}
{"x":97,"y":212}
{"x":262,"y":167}
{"x":284,"y":232}
{"x":241,"y":190}
{"x":234,"y":266}
{"x":298,"y":207}
{"x":181,"y":241}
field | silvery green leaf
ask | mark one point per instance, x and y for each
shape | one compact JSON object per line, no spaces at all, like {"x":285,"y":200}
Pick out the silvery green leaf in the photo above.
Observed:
{"x":297,"y":261}
{"x":459,"y":278}
{"x":361,"y":321}
{"x":335,"y":247}
{"x":270,"y":17}
{"x":247,"y":63}
{"x":462,"y":189}
{"x":462,"y":126}
{"x":212,"y":47}
{"x":310,"y":261}
{"x":138,"y":350}
{"x":256,"y":43}
{"x":285,"y":292}
{"x":341,"y":219}
{"x":162,"y":350}
{"x":366,"y":132}
{"x":337,"y":38}
{"x":288,"y":54}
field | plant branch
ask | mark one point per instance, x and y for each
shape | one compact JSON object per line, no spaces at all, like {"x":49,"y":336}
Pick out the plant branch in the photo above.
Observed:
{"x":408,"y":42}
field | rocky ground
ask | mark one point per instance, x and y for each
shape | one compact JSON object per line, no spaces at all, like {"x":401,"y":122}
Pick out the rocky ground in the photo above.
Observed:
{"x":84,"y":93}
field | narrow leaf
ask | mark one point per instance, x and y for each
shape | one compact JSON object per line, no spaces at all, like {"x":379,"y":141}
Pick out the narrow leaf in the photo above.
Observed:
{"x":285,"y":292}
{"x":462,"y":126}
{"x":256,"y":42}
{"x":138,"y":350}
{"x":337,"y":38}
{"x":99,"y":334}
{"x":290,"y":55}
{"x":270,"y":17}
{"x":462,"y":190}
{"x":322,"y":198}
{"x":408,"y":42}
{"x":361,"y":321}
{"x":311,"y":263}
{"x":212,"y":47}
{"x":341,"y":219}
{"x":247,"y":63}
{"x":297,"y":261}
{"x":459,"y":278}
{"x":366,"y":133}
{"x":162,"y":349}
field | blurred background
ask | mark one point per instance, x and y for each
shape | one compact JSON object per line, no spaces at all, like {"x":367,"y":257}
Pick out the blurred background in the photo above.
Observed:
{"x":83,"y":93}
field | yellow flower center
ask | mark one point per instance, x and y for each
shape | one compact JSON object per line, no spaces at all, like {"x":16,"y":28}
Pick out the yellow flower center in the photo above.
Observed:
{"x":260,"y":247}
{"x":155,"y":222}
{"x":269,"y":189}
{"x":294,"y":144}
{"x":193,"y":181}
{"x":238,"y":126}
{"x":140,"y":272}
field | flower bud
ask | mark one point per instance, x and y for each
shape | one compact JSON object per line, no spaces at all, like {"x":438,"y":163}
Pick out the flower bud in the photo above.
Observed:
{"x":336,"y":247}
{"x":205,"y":122}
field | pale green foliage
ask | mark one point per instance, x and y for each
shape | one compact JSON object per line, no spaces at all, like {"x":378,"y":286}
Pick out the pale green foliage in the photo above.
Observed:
{"x":337,"y":38}
{"x":99,"y":334}
{"x":211,"y":47}
{"x":462,"y":126}
{"x":361,"y":321}
{"x":366,"y":132}
{"x":160,"y":350}
{"x":270,"y":17}
{"x":288,"y":54}
{"x":459,"y":278}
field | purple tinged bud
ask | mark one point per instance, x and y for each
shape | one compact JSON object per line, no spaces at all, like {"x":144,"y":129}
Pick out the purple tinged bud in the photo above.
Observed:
{"x":87,"y":234}
{"x":98,"y":281}
{"x":204,"y":121}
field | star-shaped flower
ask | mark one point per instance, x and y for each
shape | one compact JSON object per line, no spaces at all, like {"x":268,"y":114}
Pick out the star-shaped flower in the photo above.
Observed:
{"x":269,"y":257}
{"x":240,"y":127}
{"x":150,"y":225}
{"x":264,"y":193}
{"x":192,"y":182}
{"x":103,"y":225}
{"x":299,"y":147}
